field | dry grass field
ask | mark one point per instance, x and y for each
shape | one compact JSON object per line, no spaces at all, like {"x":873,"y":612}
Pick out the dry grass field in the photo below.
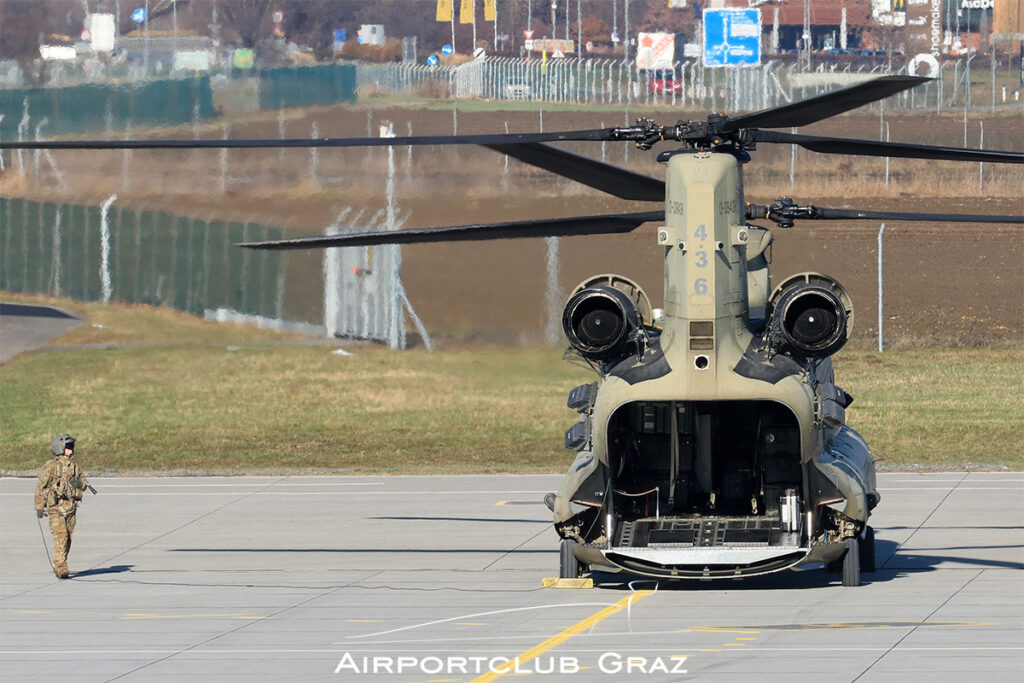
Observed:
{"x":152,"y":390}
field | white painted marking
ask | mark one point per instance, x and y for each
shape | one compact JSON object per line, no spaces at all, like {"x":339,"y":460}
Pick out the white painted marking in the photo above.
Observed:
{"x":483,"y":614}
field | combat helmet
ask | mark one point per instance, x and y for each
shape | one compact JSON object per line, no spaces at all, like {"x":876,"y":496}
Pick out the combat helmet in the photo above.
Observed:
{"x":61,"y":442}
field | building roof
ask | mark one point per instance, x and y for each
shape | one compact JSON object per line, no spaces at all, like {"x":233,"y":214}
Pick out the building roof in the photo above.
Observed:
{"x":823,"y":12}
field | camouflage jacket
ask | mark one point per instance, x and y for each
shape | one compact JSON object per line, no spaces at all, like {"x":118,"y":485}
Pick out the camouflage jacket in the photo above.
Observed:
{"x":57,"y":484}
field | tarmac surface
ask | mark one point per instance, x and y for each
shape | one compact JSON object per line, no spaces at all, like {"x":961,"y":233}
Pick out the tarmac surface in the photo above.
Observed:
{"x":439,"y":578}
{"x":24,"y":327}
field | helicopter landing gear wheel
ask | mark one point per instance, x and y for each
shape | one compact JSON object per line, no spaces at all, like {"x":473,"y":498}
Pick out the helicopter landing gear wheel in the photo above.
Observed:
{"x":569,"y":566}
{"x":851,"y":563}
{"x":867,"y":550}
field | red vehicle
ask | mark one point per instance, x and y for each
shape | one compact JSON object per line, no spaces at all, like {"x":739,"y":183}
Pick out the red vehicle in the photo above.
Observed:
{"x":664,"y":82}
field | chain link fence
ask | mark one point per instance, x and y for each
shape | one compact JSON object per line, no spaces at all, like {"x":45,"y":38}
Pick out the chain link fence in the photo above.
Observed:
{"x":107,"y":253}
{"x":689,"y":84}
{"x":966,"y":83}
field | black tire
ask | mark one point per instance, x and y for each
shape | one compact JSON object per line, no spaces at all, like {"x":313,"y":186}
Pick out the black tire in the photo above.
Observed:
{"x":851,"y":563}
{"x":569,"y":566}
{"x":867,"y":550}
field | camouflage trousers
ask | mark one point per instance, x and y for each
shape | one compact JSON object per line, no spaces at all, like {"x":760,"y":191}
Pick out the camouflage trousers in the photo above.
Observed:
{"x":62,"y":525}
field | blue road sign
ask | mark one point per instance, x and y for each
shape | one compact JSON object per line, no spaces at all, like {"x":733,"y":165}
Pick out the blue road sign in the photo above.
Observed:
{"x":432,"y":60}
{"x":447,"y":49}
{"x":732,"y":37}
{"x":139,"y":15}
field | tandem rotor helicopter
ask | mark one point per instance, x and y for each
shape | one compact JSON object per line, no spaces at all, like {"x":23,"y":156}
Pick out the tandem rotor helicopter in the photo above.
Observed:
{"x":714,"y":442}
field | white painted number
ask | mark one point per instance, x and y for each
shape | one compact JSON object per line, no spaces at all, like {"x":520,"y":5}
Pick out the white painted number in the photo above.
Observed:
{"x":702,"y":232}
{"x":700,"y":285}
{"x":702,"y":259}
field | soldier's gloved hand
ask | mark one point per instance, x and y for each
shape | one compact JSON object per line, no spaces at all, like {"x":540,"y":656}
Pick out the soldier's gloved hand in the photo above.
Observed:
{"x":76,"y":483}
{"x":39,"y":513}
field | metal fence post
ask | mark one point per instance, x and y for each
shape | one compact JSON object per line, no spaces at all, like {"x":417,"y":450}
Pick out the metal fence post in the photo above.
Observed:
{"x":880,"y":231}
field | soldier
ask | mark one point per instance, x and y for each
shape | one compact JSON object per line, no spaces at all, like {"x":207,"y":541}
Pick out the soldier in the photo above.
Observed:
{"x":61,"y":485}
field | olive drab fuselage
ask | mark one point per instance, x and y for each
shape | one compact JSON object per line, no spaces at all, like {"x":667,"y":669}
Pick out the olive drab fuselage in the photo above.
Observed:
{"x":708,"y":367}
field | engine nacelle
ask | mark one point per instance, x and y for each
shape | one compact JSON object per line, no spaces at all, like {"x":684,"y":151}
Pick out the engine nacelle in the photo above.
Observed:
{"x":601,"y":321}
{"x":810,"y":315}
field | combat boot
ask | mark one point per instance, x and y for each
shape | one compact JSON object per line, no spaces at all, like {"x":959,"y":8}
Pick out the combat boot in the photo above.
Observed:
{"x":61,"y":571}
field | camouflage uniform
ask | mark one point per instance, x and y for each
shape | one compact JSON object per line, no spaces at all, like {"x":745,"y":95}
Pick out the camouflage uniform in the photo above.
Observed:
{"x":60,"y":487}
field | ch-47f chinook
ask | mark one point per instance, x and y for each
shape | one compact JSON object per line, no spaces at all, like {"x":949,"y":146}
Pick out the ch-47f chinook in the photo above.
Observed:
{"x":714,"y":443}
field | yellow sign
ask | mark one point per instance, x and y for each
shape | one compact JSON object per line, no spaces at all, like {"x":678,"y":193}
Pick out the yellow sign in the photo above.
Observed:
{"x":467,"y":13}
{"x":488,"y":10}
{"x":444,"y":10}
{"x":244,"y":59}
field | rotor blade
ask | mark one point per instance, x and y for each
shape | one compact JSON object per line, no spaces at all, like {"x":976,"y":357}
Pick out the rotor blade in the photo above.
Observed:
{"x":616,"y":181}
{"x":270,"y":143}
{"x":827,"y":145}
{"x":553,"y":227}
{"x":813,"y":109}
{"x":820,"y":213}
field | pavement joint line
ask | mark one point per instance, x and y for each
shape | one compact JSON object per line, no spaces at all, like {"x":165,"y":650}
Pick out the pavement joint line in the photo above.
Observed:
{"x":527,"y":541}
{"x":137,"y":616}
{"x":577,"y":628}
{"x":156,"y":538}
{"x":908,"y":633}
{"x":262,"y":492}
{"x":234,"y":485}
{"x":248,"y":623}
{"x":925,"y":520}
{"x":56,"y":654}
{"x":462,"y":639}
{"x":182,"y":526}
{"x":955,"y":488}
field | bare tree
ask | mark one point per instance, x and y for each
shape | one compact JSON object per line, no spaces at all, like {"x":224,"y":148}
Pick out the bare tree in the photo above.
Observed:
{"x":246,"y":17}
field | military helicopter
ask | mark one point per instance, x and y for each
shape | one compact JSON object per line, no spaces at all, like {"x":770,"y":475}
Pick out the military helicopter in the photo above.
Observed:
{"x":714,"y":443}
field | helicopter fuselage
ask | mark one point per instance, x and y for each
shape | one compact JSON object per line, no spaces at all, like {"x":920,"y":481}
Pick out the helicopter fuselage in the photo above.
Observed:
{"x":712,"y":447}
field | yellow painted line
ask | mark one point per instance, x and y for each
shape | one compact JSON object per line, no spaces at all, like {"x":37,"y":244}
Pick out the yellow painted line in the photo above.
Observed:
{"x":712,"y":649}
{"x":734,"y":645}
{"x":745,"y":638}
{"x":555,"y":641}
{"x":32,"y":611}
{"x":501,"y":502}
{"x":365,"y":621}
{"x":554,"y":582}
